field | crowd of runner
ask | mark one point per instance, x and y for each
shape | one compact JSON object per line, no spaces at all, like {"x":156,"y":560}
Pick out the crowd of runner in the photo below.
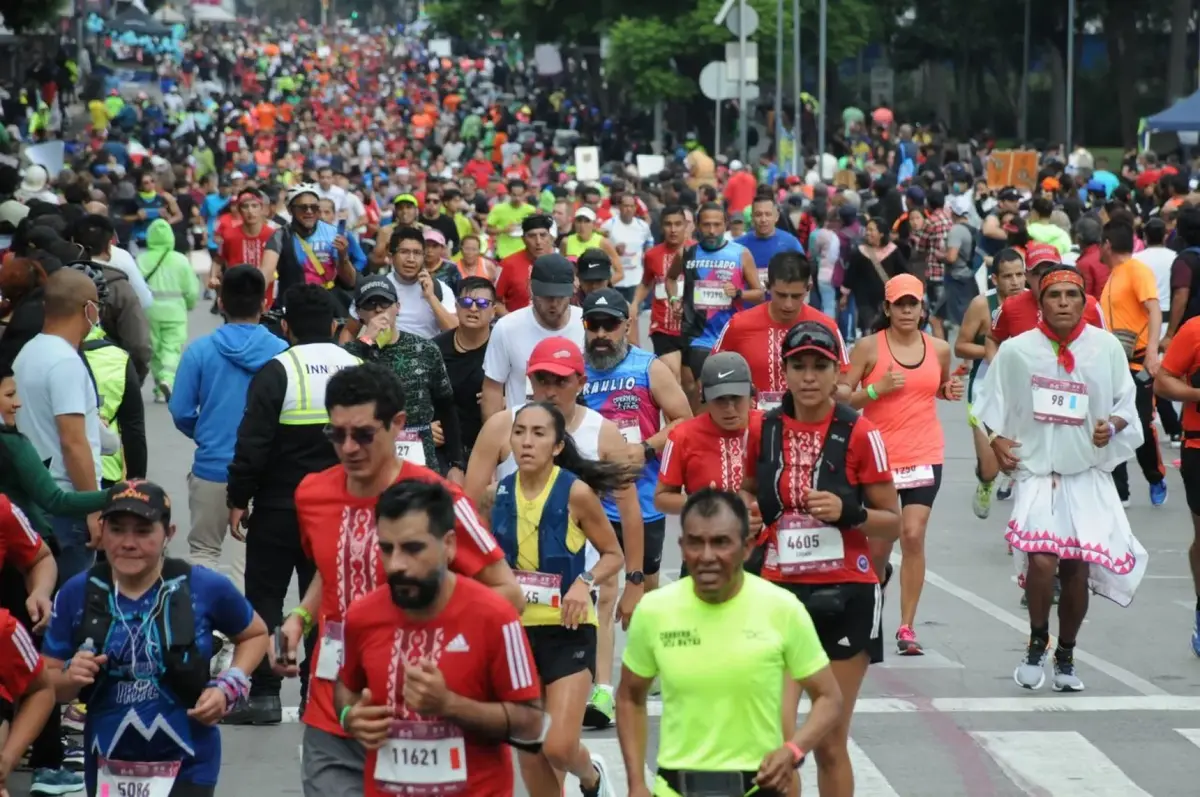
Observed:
{"x":431,"y":401}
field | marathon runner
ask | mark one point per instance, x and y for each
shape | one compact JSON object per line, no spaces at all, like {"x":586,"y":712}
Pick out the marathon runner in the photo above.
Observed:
{"x":25,"y":684}
{"x":665,"y":314}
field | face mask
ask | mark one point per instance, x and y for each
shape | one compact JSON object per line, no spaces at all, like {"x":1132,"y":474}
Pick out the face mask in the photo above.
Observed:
{"x":92,"y":325}
{"x":426,"y":589}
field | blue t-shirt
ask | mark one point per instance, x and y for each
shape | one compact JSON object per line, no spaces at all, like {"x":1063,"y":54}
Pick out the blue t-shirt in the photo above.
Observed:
{"x":131,"y":719}
{"x":763,"y":249}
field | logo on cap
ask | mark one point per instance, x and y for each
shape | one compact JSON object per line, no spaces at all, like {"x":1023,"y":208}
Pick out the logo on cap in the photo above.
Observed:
{"x":602,"y":301}
{"x":561,"y":354}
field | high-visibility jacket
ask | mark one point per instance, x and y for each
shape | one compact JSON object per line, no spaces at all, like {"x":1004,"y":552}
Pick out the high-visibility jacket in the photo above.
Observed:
{"x":309,"y":367}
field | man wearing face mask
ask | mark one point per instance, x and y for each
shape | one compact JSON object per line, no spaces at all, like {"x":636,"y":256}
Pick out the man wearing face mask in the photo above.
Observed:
{"x":336,"y":512}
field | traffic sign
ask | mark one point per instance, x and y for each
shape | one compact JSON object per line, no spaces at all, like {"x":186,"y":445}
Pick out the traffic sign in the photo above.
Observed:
{"x":750,"y":17}
{"x":716,"y":85}
{"x":734,"y":60}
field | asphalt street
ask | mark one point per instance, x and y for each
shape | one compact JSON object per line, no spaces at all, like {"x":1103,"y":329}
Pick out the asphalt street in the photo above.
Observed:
{"x":951,"y":723}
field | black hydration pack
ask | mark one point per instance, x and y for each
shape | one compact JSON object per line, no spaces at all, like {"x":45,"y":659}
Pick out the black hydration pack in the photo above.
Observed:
{"x":187,"y":671}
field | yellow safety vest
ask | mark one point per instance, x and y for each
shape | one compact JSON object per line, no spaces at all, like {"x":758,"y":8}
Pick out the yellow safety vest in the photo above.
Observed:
{"x":108,"y":363}
{"x":308,"y":368}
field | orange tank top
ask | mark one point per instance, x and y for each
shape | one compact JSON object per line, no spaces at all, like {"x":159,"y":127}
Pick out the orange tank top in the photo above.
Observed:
{"x":907,"y":417}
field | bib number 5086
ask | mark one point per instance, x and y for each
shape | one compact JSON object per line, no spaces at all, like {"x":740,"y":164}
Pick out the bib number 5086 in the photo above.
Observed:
{"x":133,"y":789}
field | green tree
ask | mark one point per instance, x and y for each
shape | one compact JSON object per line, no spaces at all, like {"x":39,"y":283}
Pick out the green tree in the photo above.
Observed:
{"x":26,"y":17}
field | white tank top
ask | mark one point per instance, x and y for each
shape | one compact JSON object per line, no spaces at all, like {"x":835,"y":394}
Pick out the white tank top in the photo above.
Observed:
{"x":586,"y":437}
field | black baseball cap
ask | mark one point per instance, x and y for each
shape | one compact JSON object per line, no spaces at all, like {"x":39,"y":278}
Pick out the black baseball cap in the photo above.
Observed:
{"x":377,"y":287}
{"x":538,"y":221}
{"x":810,"y":336}
{"x":606,"y":301}
{"x":594,"y":265}
{"x":1008,"y":194}
{"x":145,"y":499}
{"x":726,"y":373}
{"x":552,"y":276}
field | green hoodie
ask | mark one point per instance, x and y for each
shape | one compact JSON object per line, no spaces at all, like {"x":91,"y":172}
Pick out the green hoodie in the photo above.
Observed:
{"x":169,"y":275}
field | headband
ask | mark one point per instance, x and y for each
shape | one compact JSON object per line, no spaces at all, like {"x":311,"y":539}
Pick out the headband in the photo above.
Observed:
{"x":1068,"y":275}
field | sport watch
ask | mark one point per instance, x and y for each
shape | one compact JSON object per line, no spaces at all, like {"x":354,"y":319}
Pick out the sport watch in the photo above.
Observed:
{"x":637,"y":578}
{"x":648,"y":450}
{"x":587,"y":578}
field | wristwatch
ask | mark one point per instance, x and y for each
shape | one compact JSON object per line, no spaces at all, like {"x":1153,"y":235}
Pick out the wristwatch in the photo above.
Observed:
{"x":637,"y":578}
{"x":587,"y":578}
{"x":648,"y":451}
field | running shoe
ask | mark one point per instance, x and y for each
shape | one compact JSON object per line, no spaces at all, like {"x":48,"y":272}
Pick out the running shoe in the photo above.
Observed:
{"x":1196,"y":635}
{"x":56,"y":781}
{"x":1004,"y":487}
{"x":601,"y":708}
{"x":906,"y":642}
{"x":1158,"y":493}
{"x":1176,"y":440}
{"x":604,"y":786}
{"x":1031,"y":672}
{"x":982,"y":505}
{"x":1065,"y":679}
{"x":73,"y":755}
{"x":74,"y":718}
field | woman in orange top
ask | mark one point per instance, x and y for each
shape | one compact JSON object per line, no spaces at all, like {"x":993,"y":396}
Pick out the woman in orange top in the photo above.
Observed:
{"x":897,"y":375}
{"x":471,"y":262}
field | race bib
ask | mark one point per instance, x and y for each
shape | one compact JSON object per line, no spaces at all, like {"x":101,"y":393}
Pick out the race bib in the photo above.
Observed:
{"x":422,"y":759}
{"x":410,"y":447}
{"x":1059,"y":401}
{"x":710,"y":295}
{"x":329,"y":659}
{"x":770,"y":400}
{"x":135,"y":779}
{"x":631,"y":430}
{"x":806,"y":545}
{"x":660,"y":290}
{"x":540,"y":589}
{"x":911,"y":478}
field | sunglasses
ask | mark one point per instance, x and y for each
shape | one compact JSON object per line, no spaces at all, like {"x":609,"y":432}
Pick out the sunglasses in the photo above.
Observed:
{"x":606,"y":323}
{"x":468,"y":303}
{"x":306,"y":208}
{"x":361,"y":435}
{"x":377,"y":304}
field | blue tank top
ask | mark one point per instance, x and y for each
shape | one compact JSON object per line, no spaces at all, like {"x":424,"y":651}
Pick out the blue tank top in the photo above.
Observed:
{"x":710,"y":271}
{"x":321,"y":267}
{"x":622,"y":395}
{"x":153,"y":208}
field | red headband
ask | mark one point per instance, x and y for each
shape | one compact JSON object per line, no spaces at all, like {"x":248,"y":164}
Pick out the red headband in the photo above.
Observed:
{"x":1068,"y":275}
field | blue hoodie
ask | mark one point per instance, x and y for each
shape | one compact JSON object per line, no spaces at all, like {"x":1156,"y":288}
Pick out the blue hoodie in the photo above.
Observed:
{"x":209,"y":397}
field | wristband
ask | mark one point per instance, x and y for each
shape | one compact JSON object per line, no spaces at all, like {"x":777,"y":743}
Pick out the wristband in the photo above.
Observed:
{"x":872,"y":394}
{"x":798,"y":755}
{"x":342,"y":717}
{"x":1112,"y":430}
{"x":853,"y":515}
{"x":306,"y":616}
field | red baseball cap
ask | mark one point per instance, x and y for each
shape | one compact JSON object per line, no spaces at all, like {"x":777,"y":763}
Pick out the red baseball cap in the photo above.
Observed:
{"x":558,"y":356}
{"x":1036,"y":254}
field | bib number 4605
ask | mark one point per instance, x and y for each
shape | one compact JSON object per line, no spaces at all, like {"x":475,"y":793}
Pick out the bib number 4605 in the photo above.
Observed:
{"x":803,"y":542}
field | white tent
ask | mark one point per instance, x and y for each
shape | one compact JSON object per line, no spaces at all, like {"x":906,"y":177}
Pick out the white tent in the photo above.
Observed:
{"x":211,"y":14}
{"x":169,"y":15}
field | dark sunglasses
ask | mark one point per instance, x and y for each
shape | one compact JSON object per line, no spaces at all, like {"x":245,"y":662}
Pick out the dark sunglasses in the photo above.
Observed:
{"x":306,"y":208}
{"x":469,"y":302}
{"x":377,"y":304}
{"x":605,"y":323}
{"x":362,"y":435}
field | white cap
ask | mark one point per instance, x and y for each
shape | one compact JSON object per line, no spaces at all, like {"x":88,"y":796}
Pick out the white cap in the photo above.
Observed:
{"x":585,"y":213}
{"x":735,"y":165}
{"x":237,"y":176}
{"x":960,"y":205}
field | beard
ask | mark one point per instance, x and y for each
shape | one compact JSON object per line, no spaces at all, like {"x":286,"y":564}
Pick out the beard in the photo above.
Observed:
{"x":604,"y":355}
{"x":426,"y":589}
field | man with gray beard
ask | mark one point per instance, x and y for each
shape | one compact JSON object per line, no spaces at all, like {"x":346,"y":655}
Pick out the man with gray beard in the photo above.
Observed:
{"x":631,"y":388}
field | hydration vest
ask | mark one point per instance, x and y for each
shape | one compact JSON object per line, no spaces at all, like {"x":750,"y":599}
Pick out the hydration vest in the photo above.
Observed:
{"x":186,"y":673}
{"x":553,"y":554}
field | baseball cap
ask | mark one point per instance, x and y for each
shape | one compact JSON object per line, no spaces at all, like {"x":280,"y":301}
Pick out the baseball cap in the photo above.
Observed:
{"x":726,"y":374}
{"x":538,"y":221}
{"x":807,"y":336}
{"x":903,"y":285}
{"x":138,"y":497}
{"x":559,"y":356}
{"x":434,"y":236}
{"x":594,"y":265}
{"x":552,"y":276}
{"x":1036,"y":254}
{"x":409,"y":198}
{"x":735,"y":165}
{"x":606,"y":301}
{"x":585,"y":213}
{"x":1008,"y":194}
{"x":960,"y":205}
{"x":377,"y":287}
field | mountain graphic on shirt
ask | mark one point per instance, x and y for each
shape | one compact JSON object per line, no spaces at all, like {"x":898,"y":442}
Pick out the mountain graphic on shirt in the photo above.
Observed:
{"x":132,"y":731}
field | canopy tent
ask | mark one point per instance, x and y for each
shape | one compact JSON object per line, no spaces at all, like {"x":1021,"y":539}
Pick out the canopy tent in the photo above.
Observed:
{"x":169,"y":15}
{"x":1182,"y":117}
{"x":211,"y":14}
{"x":134,"y":20}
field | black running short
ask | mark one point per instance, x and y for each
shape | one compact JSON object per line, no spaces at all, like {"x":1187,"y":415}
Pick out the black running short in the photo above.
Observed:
{"x":848,"y":617}
{"x":1189,"y":469}
{"x":695,"y":358}
{"x":655,"y":533}
{"x":560,"y":652}
{"x":667,"y":344}
{"x":922,"y":496}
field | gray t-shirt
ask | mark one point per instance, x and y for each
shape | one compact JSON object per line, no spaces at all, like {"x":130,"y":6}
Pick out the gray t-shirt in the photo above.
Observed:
{"x":962,"y":239}
{"x":53,"y":380}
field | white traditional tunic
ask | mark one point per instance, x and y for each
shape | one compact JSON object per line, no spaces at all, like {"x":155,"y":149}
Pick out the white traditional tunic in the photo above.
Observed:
{"x":1066,"y":503}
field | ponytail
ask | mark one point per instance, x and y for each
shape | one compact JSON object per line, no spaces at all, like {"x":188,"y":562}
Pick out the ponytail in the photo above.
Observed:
{"x":602,"y":476}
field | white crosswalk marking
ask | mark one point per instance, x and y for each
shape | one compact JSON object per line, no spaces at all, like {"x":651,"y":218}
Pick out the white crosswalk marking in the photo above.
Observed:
{"x":868,"y":780}
{"x":1191,"y":734}
{"x":1059,"y":763}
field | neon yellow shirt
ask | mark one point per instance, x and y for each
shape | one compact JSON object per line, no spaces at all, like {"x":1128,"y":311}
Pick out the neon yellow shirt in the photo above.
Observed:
{"x":529,"y":517}
{"x":504,"y":217}
{"x":721,"y":667}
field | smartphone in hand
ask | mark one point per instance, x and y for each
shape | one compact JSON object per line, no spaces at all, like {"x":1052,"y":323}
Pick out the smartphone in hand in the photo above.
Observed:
{"x":342,"y":227}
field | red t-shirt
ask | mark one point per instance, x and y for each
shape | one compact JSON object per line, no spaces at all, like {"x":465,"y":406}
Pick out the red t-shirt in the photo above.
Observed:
{"x":20,"y":661}
{"x":866,"y":463}
{"x":657,"y":260}
{"x":240,"y":248}
{"x":478,"y":644}
{"x":1020,"y":314}
{"x":688,"y":460}
{"x":1182,"y":360}
{"x":19,"y":543}
{"x":604,"y":211}
{"x":512,"y":286}
{"x":226,"y":224}
{"x":759,"y":339}
{"x":337,"y":532}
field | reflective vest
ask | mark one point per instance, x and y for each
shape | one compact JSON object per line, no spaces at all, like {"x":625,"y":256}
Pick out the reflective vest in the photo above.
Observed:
{"x":108,"y":363}
{"x":309,"y":367}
